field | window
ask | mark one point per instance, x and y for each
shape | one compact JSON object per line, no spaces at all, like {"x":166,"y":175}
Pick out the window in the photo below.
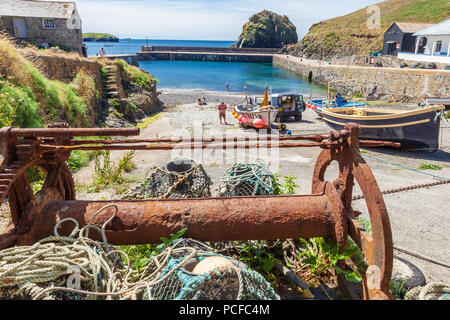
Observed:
{"x":438,"y":46}
{"x":49,"y":24}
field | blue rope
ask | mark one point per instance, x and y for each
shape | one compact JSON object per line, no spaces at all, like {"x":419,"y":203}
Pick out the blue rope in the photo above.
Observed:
{"x":402,"y":166}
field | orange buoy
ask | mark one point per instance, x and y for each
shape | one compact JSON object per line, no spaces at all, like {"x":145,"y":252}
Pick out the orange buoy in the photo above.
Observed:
{"x":259,"y":123}
{"x":240,"y":118}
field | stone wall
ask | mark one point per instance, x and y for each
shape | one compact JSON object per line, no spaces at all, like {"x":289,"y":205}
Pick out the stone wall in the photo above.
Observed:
{"x":390,"y":84}
{"x":65,"y":69}
{"x":386,"y":61}
{"x":197,"y":56}
{"x":61,"y":35}
{"x":209,"y":49}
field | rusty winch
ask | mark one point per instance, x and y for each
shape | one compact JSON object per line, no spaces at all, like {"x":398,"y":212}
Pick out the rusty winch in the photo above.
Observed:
{"x":327,"y":212}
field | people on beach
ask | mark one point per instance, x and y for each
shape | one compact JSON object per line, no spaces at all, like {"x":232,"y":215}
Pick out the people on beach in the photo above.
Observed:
{"x":204,"y":102}
{"x":200,"y":102}
{"x":84,"y":50}
{"x":227,"y":86}
{"x":222,"y":112}
{"x":102,"y":52}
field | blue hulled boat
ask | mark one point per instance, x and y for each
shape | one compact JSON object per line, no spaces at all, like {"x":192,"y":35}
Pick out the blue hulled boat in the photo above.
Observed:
{"x":339,"y":102}
{"x":416,"y":130}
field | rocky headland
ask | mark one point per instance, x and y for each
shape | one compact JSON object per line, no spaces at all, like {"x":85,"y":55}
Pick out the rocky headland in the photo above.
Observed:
{"x":356,"y":33}
{"x":267,"y":29}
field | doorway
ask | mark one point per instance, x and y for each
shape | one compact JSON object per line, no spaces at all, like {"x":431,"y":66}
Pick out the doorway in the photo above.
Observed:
{"x":391,"y":48}
{"x":20,"y":28}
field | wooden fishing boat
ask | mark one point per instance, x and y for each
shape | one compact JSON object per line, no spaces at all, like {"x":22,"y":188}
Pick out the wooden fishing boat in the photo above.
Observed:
{"x":259,"y":116}
{"x":256,"y":116}
{"x":416,"y":130}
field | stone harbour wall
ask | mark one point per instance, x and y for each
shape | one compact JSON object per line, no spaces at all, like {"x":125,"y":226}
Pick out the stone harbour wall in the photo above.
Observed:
{"x":389,"y":84}
{"x":197,"y":56}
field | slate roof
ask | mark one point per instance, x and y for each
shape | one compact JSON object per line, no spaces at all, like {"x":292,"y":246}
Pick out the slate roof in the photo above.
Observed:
{"x":37,"y":9}
{"x":407,"y":27}
{"x":439,"y":29}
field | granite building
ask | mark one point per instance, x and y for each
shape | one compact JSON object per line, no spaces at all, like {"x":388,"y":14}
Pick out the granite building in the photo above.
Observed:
{"x":43,"y":23}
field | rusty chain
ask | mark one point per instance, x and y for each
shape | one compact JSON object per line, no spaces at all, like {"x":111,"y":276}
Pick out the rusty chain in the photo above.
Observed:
{"x":414,"y":187}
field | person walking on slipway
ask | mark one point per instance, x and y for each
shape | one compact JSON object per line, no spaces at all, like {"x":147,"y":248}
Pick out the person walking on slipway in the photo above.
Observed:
{"x":222,"y":112}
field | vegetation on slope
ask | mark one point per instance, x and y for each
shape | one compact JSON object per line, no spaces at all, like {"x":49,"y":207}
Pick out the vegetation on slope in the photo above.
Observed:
{"x":99,"y":37}
{"x":29,"y":99}
{"x":136,"y":75}
{"x":350,"y":34}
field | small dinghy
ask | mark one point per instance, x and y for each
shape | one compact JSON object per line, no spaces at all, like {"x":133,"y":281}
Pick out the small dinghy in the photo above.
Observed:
{"x":416,"y":130}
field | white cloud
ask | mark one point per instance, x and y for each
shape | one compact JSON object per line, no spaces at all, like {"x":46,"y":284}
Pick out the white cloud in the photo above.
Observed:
{"x":201,"y":19}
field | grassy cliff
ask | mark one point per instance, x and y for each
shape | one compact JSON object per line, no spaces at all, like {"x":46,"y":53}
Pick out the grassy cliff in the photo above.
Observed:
{"x":29,"y":99}
{"x":349,"y":34}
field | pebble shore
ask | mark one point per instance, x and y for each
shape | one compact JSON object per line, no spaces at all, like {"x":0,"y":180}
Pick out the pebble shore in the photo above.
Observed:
{"x":172,"y":97}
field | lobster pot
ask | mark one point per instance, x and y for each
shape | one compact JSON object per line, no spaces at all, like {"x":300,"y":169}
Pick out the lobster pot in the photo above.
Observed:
{"x":236,"y":283}
{"x":249,"y":179}
{"x":180,"y":178}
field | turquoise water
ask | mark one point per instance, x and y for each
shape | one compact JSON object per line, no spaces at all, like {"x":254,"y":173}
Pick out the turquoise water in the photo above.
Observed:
{"x":212,"y":76}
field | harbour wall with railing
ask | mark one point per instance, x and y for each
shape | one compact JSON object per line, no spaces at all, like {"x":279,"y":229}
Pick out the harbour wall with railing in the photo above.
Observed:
{"x":390,"y":84}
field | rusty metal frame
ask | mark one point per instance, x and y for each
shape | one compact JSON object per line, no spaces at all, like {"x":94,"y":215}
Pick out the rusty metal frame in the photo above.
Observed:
{"x":327,"y":212}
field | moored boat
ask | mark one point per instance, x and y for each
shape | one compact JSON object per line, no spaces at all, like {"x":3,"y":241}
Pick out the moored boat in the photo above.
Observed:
{"x":318,"y":105}
{"x":416,"y":130}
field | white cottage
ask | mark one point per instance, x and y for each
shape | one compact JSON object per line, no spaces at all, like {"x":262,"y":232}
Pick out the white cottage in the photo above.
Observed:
{"x":432,"y":44}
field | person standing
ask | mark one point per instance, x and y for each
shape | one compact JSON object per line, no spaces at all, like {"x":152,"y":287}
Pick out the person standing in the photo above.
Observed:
{"x":102,"y":52}
{"x":84,"y":50}
{"x":227,"y":86}
{"x":222,"y":112}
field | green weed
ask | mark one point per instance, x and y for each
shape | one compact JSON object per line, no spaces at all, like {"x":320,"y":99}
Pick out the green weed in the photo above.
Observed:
{"x":287,"y":187}
{"x":106,"y":173}
{"x":398,"y":289}
{"x":261,"y":257}
{"x":319,"y":255}
{"x":429,"y":166}
{"x":139,"y":255}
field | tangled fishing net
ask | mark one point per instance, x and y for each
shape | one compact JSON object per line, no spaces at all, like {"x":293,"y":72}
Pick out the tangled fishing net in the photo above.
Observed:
{"x":78,"y":268}
{"x":180,"y":179}
{"x":246,"y":179}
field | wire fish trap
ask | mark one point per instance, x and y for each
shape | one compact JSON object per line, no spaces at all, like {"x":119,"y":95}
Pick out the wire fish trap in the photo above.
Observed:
{"x":246,"y":179}
{"x":210,"y":276}
{"x":180,"y":178}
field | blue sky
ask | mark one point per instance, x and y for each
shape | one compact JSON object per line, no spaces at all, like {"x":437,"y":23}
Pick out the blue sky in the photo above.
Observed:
{"x":201,"y":19}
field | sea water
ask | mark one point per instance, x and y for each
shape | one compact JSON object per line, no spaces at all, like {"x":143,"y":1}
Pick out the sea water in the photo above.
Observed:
{"x":212,"y":76}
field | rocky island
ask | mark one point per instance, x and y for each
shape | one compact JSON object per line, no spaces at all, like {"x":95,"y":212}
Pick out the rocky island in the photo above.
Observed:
{"x":267,"y":29}
{"x":99,"y":37}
